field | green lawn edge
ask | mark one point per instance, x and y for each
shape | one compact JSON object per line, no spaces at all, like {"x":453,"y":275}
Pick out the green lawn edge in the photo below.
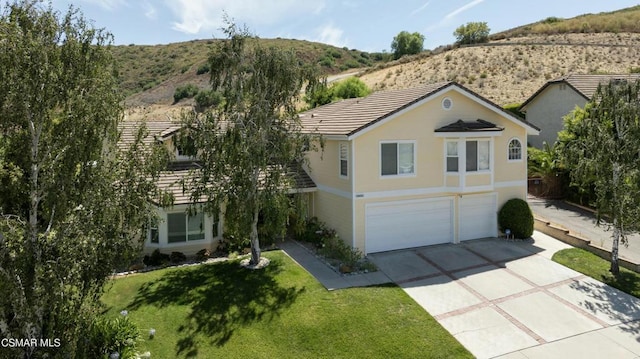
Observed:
{"x":223,"y":310}
{"x":597,"y":268}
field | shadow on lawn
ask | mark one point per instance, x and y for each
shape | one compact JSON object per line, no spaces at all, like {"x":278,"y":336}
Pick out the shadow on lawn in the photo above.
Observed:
{"x":221,"y":297}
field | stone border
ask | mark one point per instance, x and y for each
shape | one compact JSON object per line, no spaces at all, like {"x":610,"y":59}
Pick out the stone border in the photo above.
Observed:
{"x":562,"y":234}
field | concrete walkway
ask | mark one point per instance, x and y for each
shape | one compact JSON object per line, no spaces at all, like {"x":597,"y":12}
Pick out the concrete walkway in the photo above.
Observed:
{"x":583,"y":223}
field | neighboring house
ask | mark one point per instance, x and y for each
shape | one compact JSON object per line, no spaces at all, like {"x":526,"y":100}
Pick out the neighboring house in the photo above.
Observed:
{"x":176,"y":230}
{"x":558,"y":98}
{"x":415,"y":167}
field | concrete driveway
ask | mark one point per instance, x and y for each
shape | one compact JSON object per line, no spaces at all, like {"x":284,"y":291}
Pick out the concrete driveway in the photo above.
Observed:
{"x":508,"y":298}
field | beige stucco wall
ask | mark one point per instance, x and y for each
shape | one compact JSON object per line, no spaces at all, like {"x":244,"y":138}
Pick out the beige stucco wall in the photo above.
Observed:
{"x":336,"y":212}
{"x":419,"y":125}
{"x":324,"y":166}
{"x":547,"y":110}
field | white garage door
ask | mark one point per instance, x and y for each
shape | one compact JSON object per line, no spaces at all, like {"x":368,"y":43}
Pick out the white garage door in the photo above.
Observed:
{"x":478,"y":217}
{"x":406,"y":224}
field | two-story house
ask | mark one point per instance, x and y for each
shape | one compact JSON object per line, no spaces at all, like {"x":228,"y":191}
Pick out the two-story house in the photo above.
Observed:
{"x":415,"y":167}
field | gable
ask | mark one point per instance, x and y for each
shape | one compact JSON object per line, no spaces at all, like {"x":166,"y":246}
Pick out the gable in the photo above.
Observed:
{"x":465,"y":105}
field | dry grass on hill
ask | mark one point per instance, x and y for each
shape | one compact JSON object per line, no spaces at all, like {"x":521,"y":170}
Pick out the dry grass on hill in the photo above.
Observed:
{"x":509,"y":73}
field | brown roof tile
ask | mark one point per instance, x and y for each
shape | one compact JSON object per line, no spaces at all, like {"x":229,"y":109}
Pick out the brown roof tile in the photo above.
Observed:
{"x":584,"y":84}
{"x":348,"y":117}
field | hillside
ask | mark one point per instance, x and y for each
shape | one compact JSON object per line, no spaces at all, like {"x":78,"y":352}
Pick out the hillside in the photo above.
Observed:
{"x":620,"y":21}
{"x":509,"y":71}
{"x":152,"y":72}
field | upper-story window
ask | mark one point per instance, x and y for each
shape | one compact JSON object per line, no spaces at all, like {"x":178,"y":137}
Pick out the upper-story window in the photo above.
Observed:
{"x":185,"y":148}
{"x":344,"y":159}
{"x":478,"y":156}
{"x":397,"y":158}
{"x":515,"y":150}
{"x":452,"y":156}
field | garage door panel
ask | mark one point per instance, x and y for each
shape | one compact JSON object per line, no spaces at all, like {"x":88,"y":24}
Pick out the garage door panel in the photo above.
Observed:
{"x":477,"y":217}
{"x":408,"y":224}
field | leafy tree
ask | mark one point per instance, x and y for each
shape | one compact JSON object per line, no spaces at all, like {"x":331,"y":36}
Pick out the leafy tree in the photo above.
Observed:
{"x":406,"y":43}
{"x":71,"y":204}
{"x":185,"y":91}
{"x":472,"y":33}
{"x":318,"y":93}
{"x":350,"y":88}
{"x":248,"y":144}
{"x":599,"y":147}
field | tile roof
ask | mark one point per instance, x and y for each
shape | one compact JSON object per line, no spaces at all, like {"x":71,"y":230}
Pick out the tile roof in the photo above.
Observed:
{"x":477,"y":126}
{"x":583,"y":84}
{"x":177,"y":171}
{"x":348,"y":117}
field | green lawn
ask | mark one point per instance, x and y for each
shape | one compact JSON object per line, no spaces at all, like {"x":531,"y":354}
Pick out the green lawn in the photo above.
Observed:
{"x":595,"y":267}
{"x":222,"y":310}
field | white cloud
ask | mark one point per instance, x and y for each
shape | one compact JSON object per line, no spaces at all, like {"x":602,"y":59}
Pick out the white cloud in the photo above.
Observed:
{"x":450,"y":16}
{"x":195,"y":16}
{"x":332,"y":35}
{"x":108,"y":4}
{"x":150,"y":11}
{"x":462,"y":9}
{"x":421,"y":8}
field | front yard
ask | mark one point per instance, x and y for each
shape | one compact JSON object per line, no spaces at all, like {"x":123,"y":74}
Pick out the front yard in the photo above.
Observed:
{"x":597,"y":268}
{"x":223,"y":310}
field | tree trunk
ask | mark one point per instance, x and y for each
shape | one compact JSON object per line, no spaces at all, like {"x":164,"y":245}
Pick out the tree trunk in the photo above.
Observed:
{"x":255,"y":242}
{"x":615,"y":267}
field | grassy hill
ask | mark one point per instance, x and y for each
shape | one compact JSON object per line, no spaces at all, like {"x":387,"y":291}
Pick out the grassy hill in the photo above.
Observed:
{"x":143,"y":68}
{"x":620,"y":21}
{"x":508,"y":69}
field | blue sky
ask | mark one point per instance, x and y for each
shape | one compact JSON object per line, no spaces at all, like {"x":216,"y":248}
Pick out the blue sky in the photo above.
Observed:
{"x":361,"y":24}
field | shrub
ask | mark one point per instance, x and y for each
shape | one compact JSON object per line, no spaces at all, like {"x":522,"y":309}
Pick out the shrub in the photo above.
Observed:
{"x":186,"y":91}
{"x":108,"y":336}
{"x":350,"y":88}
{"x":203,"y":255}
{"x":156,"y":258}
{"x":315,"y":232}
{"x":516,"y":216}
{"x":207,"y":98}
{"x":335,"y":248}
{"x":177,"y":257}
{"x":203,"y":69}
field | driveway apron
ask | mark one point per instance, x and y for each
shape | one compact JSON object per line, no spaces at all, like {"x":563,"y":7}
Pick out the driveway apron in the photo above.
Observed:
{"x":508,"y":298}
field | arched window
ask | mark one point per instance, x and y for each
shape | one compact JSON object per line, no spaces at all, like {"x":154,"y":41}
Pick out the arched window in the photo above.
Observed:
{"x":515,"y":150}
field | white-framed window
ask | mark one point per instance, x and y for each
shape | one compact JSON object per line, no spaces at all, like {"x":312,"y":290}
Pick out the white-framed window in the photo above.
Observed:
{"x":397,"y":158}
{"x":343,"y":150}
{"x":183,"y":228}
{"x":478,"y":156}
{"x":153,"y":234}
{"x":515,"y":150}
{"x":185,"y":148}
{"x":452,"y":157}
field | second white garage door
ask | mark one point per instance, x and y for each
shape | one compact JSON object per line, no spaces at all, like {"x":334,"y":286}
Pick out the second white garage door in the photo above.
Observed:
{"x":477,"y":217}
{"x":406,"y":224}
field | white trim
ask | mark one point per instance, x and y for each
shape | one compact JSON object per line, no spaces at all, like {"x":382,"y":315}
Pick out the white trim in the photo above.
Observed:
{"x":509,"y":149}
{"x":401,"y":192}
{"x":353,"y":190}
{"x":348,"y":152}
{"x":335,"y":191}
{"x":398,"y":143}
{"x":468,"y":134}
{"x":508,"y":184}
